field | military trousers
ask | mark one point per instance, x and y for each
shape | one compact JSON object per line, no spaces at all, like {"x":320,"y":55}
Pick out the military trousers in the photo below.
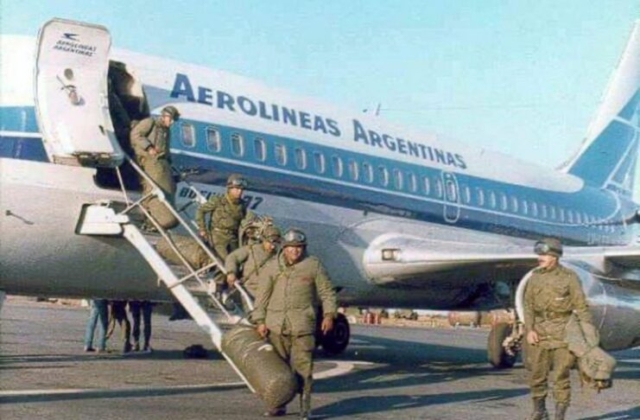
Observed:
{"x":298,"y":353}
{"x":223,"y":244}
{"x":554,"y":364}
{"x":159,"y":170}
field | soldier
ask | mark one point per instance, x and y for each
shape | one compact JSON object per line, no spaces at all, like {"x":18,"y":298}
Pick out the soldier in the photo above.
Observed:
{"x":150,"y":142}
{"x":292,"y":288}
{"x":252,"y":258}
{"x":227,"y":213}
{"x":553,"y":293}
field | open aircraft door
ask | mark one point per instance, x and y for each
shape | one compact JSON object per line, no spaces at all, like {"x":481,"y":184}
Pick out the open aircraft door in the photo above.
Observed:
{"x":72,"y":61}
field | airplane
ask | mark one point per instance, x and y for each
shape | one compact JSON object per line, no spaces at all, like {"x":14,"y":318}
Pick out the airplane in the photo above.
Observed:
{"x":401,"y":218}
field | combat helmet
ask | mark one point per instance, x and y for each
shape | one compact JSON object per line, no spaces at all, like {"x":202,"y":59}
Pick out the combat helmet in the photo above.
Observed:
{"x":548,"y":246}
{"x":271,"y":233}
{"x":237,"y":181}
{"x":171,"y":111}
{"x":294,"y":237}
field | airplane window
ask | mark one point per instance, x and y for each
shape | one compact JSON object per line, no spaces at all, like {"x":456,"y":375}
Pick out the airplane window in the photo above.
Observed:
{"x":412,"y":181}
{"x":452,"y":193}
{"x":367,"y":171}
{"x":534,"y":209}
{"x":492,"y":200}
{"x":188,"y":134}
{"x":384,"y":175}
{"x":552,"y":212}
{"x":318,"y":161}
{"x":570,"y":216}
{"x":427,"y":185}
{"x":398,"y":179}
{"x":336,"y":165}
{"x":438,"y":187}
{"x":301,"y":158}
{"x":237,"y":144}
{"x":543,"y":209}
{"x":353,"y":169}
{"x":213,"y":139}
{"x":281,"y":154}
{"x":480,"y":196}
{"x":514,"y":204}
{"x":466,"y":194}
{"x":259,"y":149}
{"x":579,"y":218}
{"x":561,"y":214}
{"x":503,"y":201}
{"x":525,"y":207}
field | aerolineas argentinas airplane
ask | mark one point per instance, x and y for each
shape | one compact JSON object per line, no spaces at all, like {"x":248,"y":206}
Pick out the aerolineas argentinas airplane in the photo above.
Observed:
{"x":401,"y":218}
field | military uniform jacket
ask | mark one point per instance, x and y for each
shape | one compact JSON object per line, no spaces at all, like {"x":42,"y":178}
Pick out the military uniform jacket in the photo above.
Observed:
{"x":251,"y":259}
{"x":150,"y":133}
{"x":289,"y":296}
{"x":226,"y":216}
{"x":550,"y":298}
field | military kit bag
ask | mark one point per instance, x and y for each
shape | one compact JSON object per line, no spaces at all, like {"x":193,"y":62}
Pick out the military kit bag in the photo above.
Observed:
{"x":594,"y":364}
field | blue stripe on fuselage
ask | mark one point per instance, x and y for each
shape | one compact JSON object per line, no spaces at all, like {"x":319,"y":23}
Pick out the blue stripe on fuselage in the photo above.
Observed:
{"x":307,"y":183}
{"x":270,"y":176}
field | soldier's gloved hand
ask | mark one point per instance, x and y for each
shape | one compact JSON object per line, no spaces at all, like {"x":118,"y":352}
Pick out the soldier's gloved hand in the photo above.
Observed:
{"x":327,"y":324}
{"x":262,"y":330}
{"x":532,"y":338}
{"x":202,"y":233}
{"x":152,"y":150}
{"x":231,"y":279}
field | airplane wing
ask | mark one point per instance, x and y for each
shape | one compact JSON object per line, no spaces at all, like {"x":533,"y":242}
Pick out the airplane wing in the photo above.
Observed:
{"x":404,"y":259}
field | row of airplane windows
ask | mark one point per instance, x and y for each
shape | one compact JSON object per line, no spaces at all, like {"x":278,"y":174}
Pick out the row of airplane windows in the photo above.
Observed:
{"x":399,"y":180}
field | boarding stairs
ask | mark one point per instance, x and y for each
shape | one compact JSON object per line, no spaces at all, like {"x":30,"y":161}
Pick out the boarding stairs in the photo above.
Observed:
{"x":193,"y":287}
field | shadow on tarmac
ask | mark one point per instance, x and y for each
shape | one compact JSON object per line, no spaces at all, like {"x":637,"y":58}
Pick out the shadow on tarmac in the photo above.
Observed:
{"x":374,"y":404}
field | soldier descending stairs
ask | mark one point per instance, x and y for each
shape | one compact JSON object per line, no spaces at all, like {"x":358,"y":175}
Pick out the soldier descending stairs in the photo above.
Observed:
{"x":263,"y":371}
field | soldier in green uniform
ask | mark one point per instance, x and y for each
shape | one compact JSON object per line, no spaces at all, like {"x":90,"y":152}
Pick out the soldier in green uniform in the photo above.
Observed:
{"x":248,"y":261}
{"x":552,"y":294}
{"x":150,"y":142}
{"x":227,"y":212}
{"x":292,"y":288}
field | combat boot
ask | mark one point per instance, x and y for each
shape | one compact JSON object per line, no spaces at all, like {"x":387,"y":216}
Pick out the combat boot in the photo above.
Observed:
{"x":561,"y":410}
{"x":539,"y":410}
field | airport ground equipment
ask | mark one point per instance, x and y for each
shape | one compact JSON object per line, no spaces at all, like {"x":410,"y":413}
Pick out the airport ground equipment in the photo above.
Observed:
{"x":189,"y":284}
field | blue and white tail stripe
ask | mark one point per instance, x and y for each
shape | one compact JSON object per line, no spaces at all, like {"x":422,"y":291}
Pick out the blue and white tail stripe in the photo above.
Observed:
{"x":608,"y":158}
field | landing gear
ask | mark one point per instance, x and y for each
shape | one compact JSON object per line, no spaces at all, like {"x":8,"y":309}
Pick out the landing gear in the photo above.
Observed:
{"x":502,"y":346}
{"x":337,"y":340}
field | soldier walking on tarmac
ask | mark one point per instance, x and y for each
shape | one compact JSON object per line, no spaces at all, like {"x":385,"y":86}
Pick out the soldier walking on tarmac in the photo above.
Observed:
{"x":150,"y":142}
{"x":293,"y":288}
{"x":226,"y":214}
{"x":552,"y":294}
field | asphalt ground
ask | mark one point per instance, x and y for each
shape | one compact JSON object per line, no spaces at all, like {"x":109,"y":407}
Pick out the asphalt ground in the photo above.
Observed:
{"x":386,"y":373}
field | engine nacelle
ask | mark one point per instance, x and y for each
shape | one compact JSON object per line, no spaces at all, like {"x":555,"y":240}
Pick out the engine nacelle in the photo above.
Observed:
{"x":614,"y":308}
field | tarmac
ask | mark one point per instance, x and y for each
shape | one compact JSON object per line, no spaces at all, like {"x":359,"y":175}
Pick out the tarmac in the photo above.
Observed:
{"x":386,"y":373}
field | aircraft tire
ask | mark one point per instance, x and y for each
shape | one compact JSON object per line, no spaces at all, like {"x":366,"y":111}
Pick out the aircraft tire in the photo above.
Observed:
{"x":498,"y":357}
{"x":337,"y":340}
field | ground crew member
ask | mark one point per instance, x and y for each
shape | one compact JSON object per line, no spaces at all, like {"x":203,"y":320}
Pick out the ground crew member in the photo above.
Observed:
{"x":150,"y":142}
{"x":226,"y":214}
{"x":248,"y":261}
{"x":552,"y":294}
{"x":292,"y":288}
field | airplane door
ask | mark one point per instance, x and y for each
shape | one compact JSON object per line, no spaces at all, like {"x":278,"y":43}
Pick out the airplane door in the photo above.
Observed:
{"x":72,"y":61}
{"x":451,"y":197}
